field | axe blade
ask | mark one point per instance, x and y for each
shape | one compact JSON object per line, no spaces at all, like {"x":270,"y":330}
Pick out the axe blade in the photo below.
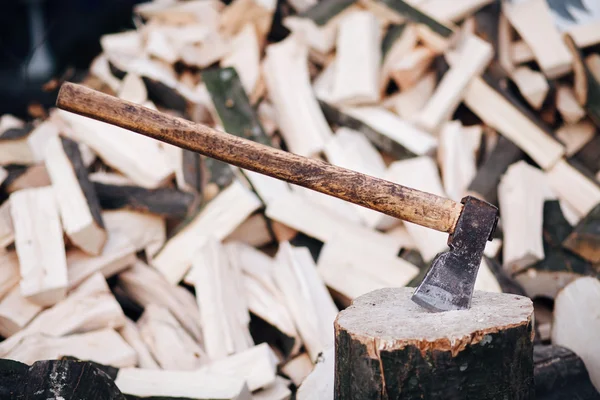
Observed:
{"x":449,"y":283}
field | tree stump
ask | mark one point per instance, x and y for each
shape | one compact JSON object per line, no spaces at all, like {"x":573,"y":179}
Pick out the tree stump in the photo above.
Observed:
{"x":387,"y":347}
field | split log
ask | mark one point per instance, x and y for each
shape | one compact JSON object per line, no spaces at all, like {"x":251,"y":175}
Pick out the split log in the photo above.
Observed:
{"x":170,"y":345}
{"x":241,"y":12}
{"x":131,"y":334}
{"x":585,"y":238}
{"x":532,"y":85}
{"x":298,"y":368}
{"x":20,"y":178}
{"x":16,"y":312}
{"x":409,"y":69}
{"x":567,"y":105}
{"x":457,"y":160}
{"x":244,"y":57}
{"x":319,"y":384}
{"x":254,"y":231}
{"x":133,"y":89}
{"x":9,"y":272}
{"x":7,"y":230}
{"x":75,"y":195}
{"x":542,"y":36}
{"x":144,"y":231}
{"x":586,"y":81}
{"x":399,"y":41}
{"x":235,"y":203}
{"x":573,"y":328}
{"x":576,"y":136}
{"x":40,"y":246}
{"x":571,"y":186}
{"x":25,"y":145}
{"x":409,"y":103}
{"x":457,"y":11}
{"x":383,"y":355}
{"x":276,"y":391}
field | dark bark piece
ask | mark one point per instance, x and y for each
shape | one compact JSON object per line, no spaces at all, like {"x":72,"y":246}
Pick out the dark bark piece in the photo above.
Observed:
{"x":585,"y":238}
{"x":387,"y":347}
{"x":561,"y":374}
{"x":163,"y":201}
{"x":323,"y":11}
{"x":56,"y":379}
{"x":16,"y":133}
{"x":335,"y":116}
{"x":71,"y":149}
{"x":589,"y":155}
{"x":191,"y":168}
{"x":488,"y":175}
{"x":587,"y":88}
{"x":408,"y":11}
{"x":165,"y":96}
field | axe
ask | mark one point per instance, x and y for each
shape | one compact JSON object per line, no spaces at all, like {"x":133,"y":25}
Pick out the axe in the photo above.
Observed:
{"x":448,"y":285}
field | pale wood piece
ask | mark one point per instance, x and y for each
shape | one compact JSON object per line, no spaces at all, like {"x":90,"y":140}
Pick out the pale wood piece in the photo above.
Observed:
{"x":9,"y":272}
{"x":320,"y":39}
{"x":521,"y":53}
{"x":421,"y":173}
{"x":139,"y":158}
{"x":298,"y":368}
{"x":352,"y":267}
{"x":75,"y":195}
{"x":394,"y":128}
{"x":267,"y":188}
{"x":575,"y":136}
{"x":39,"y":244}
{"x":593,"y":63}
{"x":103,"y":346}
{"x":407,"y":70}
{"x":133,"y":89}
{"x":3,"y":174}
{"x":401,"y":47}
{"x":505,"y":44}
{"x":279,"y":390}
{"x":16,"y":312}
{"x":532,"y":85}
{"x":576,"y":321}
{"x":29,"y":148}
{"x":244,"y":56}
{"x":101,"y":70}
{"x":131,"y":334}
{"x":542,"y":36}
{"x":110,"y":178}
{"x":339,"y":208}
{"x":7,"y":231}
{"x":256,"y":365}
{"x":145,"y":231}
{"x":358,"y":56}
{"x":254,"y":231}
{"x":586,"y":34}
{"x":221,"y":303}
{"x":573,"y":187}
{"x":457,"y":161}
{"x":410,"y":102}
{"x":159,"y":46}
{"x":145,"y":286}
{"x":301,"y":120}
{"x":150,"y":383}
{"x":521,"y":195}
{"x":492,"y":248}
{"x":9,"y":121}
{"x":212,"y":50}
{"x":456,"y":11}
{"x":567,"y":105}
{"x":175,"y":13}
{"x":401,"y":233}
{"x":268,"y":117}
{"x":498,"y":113}
{"x":486,"y":281}
{"x":172,"y":347}
{"x":128,"y":43}
{"x":306,"y":297}
{"x":263,"y":296}
{"x":35,"y":176}
{"x":240,"y":12}
{"x":473,"y":56}
{"x":319,"y":384}
{"x":218,"y":218}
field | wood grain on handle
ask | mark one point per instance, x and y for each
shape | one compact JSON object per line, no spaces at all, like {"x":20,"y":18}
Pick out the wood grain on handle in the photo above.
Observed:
{"x":377,"y":194}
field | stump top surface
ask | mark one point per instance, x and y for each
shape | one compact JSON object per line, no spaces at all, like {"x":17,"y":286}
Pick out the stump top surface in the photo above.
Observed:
{"x":389,"y":314}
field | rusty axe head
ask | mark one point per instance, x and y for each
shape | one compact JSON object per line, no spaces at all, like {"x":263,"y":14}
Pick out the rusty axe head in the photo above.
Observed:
{"x":448,"y":285}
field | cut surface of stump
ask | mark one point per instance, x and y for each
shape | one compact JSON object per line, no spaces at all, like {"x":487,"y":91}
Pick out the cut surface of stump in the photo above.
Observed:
{"x":388,"y":347}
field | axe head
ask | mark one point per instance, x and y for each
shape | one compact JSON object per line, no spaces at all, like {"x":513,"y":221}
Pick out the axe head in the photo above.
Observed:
{"x":448,"y":285}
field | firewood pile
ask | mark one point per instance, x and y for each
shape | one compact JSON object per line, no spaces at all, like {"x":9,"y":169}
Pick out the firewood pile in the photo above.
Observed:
{"x":195,"y":279}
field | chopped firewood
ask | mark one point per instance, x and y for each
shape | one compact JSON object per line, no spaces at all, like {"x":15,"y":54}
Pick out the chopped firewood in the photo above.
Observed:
{"x":521,"y":53}
{"x":9,"y":272}
{"x":586,"y":81}
{"x":319,"y":384}
{"x":145,"y":231}
{"x":573,"y":187}
{"x":585,"y":238}
{"x":40,"y":246}
{"x":486,"y":280}
{"x":152,"y":383}
{"x":210,"y":51}
{"x":218,"y":218}
{"x":398,"y":42}
{"x":576,"y":330}
{"x":588,"y":155}
{"x":171,"y":346}
{"x":75,"y":194}
{"x":169,"y":13}
{"x":133,"y":89}
{"x":542,"y":36}
{"x":320,"y":38}
{"x":339,"y":208}
{"x":521,"y":194}
{"x":254,"y":231}
{"x":140,"y":158}
{"x":301,"y":120}
{"x":401,"y":233}
{"x":575,"y":136}
{"x":25,"y":145}
{"x":146,"y":286}
{"x":244,"y":56}
{"x":492,"y":248}
{"x":457,"y":160}
{"x":8,"y":121}
{"x":132,"y":336}
{"x":585,"y":34}
{"x":358,"y":55}
{"x":421,"y":173}
{"x":306,"y":297}
{"x":567,"y":105}
{"x":279,"y":390}
{"x":352,"y":268}
{"x":410,"y":102}
{"x":16,"y":312}
{"x":159,"y":46}
{"x":240,"y":12}
{"x":100,"y":68}
{"x":162,"y":201}
{"x":408,"y":70}
{"x":497,"y":111}
{"x":20,"y":177}
{"x":257,"y":365}
{"x":473,"y":56}
{"x":298,"y":368}
{"x":455,"y":11}
{"x":7,"y":231}
{"x":110,"y":178}
{"x":103,"y":346}
{"x":224,"y":316}
{"x":532,"y":85}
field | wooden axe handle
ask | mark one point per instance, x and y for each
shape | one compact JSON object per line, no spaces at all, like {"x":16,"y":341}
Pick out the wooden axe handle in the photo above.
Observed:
{"x":377,"y":194}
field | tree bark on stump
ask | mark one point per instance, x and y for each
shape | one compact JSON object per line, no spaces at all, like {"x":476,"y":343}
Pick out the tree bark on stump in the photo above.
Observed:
{"x":387,"y":347}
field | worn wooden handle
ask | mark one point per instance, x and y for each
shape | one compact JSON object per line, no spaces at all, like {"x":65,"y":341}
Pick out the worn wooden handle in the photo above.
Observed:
{"x":377,"y":194}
